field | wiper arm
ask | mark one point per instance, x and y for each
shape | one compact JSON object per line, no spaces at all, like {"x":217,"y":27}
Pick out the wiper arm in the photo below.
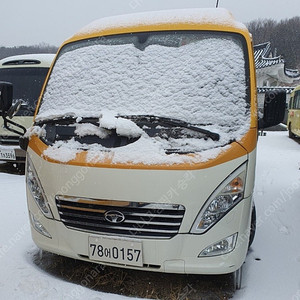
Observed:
{"x":173,"y":122}
{"x":67,"y":121}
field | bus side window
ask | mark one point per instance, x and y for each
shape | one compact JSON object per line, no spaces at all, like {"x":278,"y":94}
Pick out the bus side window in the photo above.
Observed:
{"x":297,"y":100}
{"x":291,"y":103}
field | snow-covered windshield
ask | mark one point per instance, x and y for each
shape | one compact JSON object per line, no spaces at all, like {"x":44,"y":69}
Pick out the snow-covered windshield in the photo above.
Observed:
{"x":196,"y":77}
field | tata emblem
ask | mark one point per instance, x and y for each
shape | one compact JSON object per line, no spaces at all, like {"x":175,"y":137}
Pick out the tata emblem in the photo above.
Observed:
{"x":114,"y":216}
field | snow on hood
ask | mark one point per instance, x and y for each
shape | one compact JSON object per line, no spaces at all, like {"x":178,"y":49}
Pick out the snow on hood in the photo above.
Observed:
{"x":145,"y":150}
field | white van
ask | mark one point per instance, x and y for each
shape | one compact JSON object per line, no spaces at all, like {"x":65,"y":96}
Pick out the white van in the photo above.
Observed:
{"x":143,"y":149}
{"x":27,"y":73}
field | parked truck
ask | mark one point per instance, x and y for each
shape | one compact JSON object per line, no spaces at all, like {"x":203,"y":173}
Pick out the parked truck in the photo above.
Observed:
{"x":143,"y":149}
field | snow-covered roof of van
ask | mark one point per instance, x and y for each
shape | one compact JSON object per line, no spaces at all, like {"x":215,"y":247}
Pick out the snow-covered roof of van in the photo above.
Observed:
{"x":209,"y":16}
{"x":32,"y":60}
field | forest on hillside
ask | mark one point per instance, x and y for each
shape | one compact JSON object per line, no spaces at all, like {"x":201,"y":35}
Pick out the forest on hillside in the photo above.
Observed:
{"x":41,"y":48}
{"x":284,"y":36}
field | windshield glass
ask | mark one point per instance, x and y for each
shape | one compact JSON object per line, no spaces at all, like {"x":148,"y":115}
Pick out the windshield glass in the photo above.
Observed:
{"x":196,"y":77}
{"x":27,"y":84}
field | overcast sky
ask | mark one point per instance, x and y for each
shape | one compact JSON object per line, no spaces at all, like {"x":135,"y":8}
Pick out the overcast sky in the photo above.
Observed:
{"x":31,"y":22}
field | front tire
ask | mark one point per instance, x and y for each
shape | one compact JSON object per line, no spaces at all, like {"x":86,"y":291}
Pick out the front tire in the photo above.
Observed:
{"x":20,"y":168}
{"x":252,"y":226}
{"x":237,"y":278}
{"x":291,"y":135}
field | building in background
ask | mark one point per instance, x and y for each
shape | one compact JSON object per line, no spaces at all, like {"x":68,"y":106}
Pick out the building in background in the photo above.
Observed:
{"x":271,"y":72}
{"x":270,"y":67}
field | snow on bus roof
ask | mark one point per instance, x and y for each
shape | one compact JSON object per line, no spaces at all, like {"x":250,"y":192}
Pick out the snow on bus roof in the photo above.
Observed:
{"x":217,"y":16}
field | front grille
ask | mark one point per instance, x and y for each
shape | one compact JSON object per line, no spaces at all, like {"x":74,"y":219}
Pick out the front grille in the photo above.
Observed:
{"x":135,"y":219}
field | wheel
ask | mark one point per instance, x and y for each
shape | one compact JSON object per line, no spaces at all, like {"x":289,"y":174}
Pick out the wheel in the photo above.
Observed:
{"x":252,"y":226}
{"x":237,"y":278}
{"x":21,"y":168}
{"x":291,"y":135}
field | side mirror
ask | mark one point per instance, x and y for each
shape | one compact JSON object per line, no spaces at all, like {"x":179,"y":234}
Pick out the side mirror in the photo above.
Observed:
{"x":6,"y":95}
{"x":14,"y":108}
{"x":6,"y":108}
{"x":274,"y":109}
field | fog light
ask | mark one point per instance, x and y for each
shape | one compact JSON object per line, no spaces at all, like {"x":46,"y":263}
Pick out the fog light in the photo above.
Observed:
{"x":38,"y":226}
{"x":222,"y":247}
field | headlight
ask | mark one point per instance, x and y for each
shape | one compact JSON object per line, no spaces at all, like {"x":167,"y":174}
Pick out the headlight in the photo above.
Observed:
{"x":36,"y":189}
{"x":229,"y":193}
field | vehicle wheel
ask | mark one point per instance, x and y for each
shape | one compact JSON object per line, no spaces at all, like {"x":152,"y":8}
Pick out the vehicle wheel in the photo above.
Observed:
{"x":291,"y":135}
{"x":237,"y":278}
{"x":21,"y":168}
{"x":252,"y":226}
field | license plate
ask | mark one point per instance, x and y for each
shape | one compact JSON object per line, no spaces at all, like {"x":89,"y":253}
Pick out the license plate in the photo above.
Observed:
{"x":115,"y":250}
{"x":8,"y":154}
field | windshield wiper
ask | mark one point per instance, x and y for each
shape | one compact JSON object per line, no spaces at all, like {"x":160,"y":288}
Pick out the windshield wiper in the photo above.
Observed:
{"x":67,"y":120}
{"x":172,"y":122}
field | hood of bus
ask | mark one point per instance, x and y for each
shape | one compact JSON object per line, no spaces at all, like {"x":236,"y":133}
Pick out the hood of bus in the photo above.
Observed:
{"x":232,"y":151}
{"x":181,"y":185}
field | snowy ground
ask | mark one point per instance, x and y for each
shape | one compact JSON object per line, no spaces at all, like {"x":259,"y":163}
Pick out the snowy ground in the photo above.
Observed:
{"x":272,"y":268}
